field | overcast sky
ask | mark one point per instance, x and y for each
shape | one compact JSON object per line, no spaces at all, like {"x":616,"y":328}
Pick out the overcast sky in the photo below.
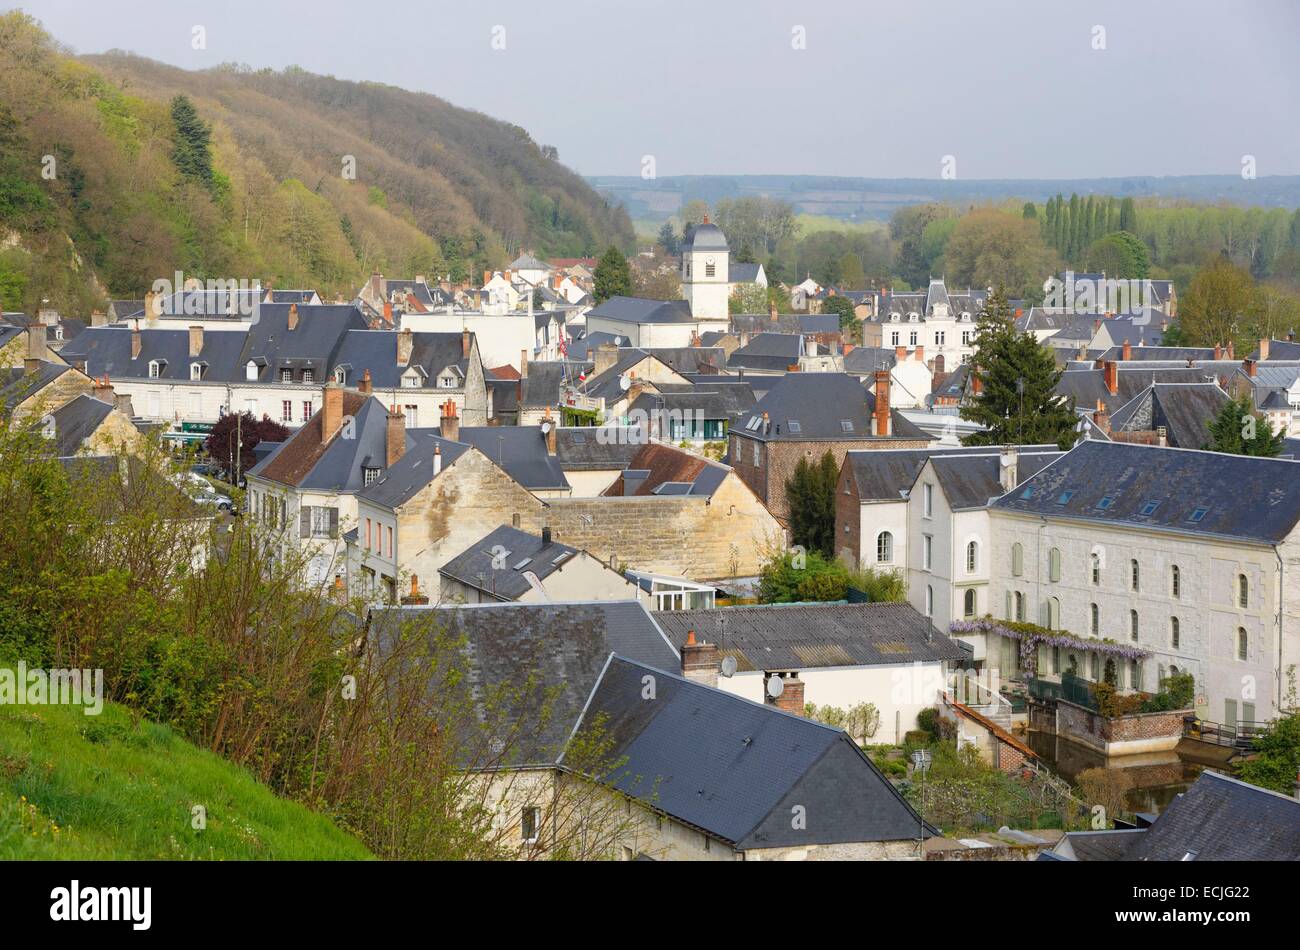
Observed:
{"x":1010,"y":88}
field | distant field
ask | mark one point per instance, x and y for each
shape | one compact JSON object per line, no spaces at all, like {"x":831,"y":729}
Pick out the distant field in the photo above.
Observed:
{"x":647,"y":231}
{"x":103,"y":787}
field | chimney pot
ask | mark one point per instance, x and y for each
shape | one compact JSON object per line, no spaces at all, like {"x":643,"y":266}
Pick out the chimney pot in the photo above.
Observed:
{"x":137,"y":344}
{"x":1110,"y":373}
{"x":365,"y":386}
{"x":293,"y":316}
{"x":700,"y":661}
{"x":546,"y":536}
{"x":464,"y":343}
{"x":449,"y":423}
{"x":1263,"y":348}
{"x":331,"y":411}
{"x":882,"y":415}
{"x":1127,"y":351}
{"x":394,"y":437}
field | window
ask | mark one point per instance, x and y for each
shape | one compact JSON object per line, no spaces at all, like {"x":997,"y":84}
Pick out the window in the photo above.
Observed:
{"x":1065,"y":497}
{"x":412,"y":414}
{"x":370,"y":475}
{"x":929,"y":601}
{"x":320,"y":522}
{"x":969,"y":603}
{"x":528,"y":824}
{"x":927,"y":497}
{"x":1242,"y":644}
{"x":1135,"y":573}
{"x":309,"y":376}
{"x":306,"y":410}
{"x":250,"y":370}
{"x":893,"y":338}
{"x":155,"y":369}
{"x":1096,"y":569}
{"x":1056,"y":659}
{"x":447,"y":382}
{"x":1094,"y":620}
{"x":286,"y":410}
{"x":927,"y":550}
{"x":1174,"y":632}
{"x":756,"y":455}
{"x":965,"y":338}
{"x":912,"y":338}
{"x":1053,"y":614}
{"x":938,"y":338}
{"x":369,"y":544}
{"x":1020,"y":606}
{"x":1105,"y":502}
{"x":286,"y":376}
{"x":1243,"y":591}
{"x":1175,"y":582}
{"x":1054,"y":564}
{"x":972,"y":557}
{"x":1134,"y":675}
{"x":390,"y":540}
{"x":196,"y":371}
{"x":340,"y":375}
{"x":884,"y":547}
{"x":1017,"y":559}
{"x":1149,"y":508}
{"x":1200,"y":512}
{"x":1133,"y":625}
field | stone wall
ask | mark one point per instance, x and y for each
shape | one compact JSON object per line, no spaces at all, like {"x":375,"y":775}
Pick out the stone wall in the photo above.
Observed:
{"x":1139,"y":732}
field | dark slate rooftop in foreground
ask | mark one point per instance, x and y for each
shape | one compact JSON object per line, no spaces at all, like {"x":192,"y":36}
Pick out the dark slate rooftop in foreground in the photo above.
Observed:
{"x":1234,"y":496}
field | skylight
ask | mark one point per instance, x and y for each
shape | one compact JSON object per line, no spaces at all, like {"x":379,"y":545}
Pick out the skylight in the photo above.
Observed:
{"x":1028,"y":493}
{"x":1105,"y":502}
{"x":1065,"y":497}
{"x":523,"y":564}
{"x":1198,"y":514}
{"x":846,"y":425}
{"x":794,"y":425}
{"x":1150,"y":507}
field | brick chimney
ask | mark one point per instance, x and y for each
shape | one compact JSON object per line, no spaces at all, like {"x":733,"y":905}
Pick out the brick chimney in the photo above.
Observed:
{"x":791,"y":699}
{"x":1100,"y":417}
{"x":365,"y":386}
{"x":700,"y":661}
{"x":976,"y":384}
{"x":548,"y":429}
{"x":136,"y":342}
{"x":1127,"y":350}
{"x":152,"y":305}
{"x":1263,"y":349}
{"x":104,"y":389}
{"x":293,"y":316}
{"x":771,"y":312}
{"x":98,"y":318}
{"x":523,"y":364}
{"x":605,"y":358}
{"x":196,"y":341}
{"x":464,"y":343}
{"x":882,"y":417}
{"x":920,"y":354}
{"x":37,"y":348}
{"x":415,"y":598}
{"x":405,"y":343}
{"x":331,"y":417}
{"x":900,"y":353}
{"x":1231,"y":346}
{"x":449,"y":422}
{"x":394,"y":436}
{"x":1110,"y":373}
{"x":388,"y":312}
{"x":1218,"y":352}
{"x":122,"y":403}
{"x":1249,"y":366}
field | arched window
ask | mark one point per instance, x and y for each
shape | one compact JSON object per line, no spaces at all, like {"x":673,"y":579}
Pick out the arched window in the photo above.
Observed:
{"x":1135,"y":573}
{"x":1175,"y":631}
{"x":1094,"y":620}
{"x":1133,"y":625}
{"x":969,"y":604}
{"x":1053,"y":613}
{"x":1242,"y":644}
{"x":1096,"y":569}
{"x":1054,"y":564}
{"x":1243,"y":591}
{"x":340,"y":375}
{"x":972,"y":557}
{"x":929,"y":601}
{"x":884,"y":547}
{"x":250,"y":370}
{"x":1175,"y":582}
{"x":1017,"y":559}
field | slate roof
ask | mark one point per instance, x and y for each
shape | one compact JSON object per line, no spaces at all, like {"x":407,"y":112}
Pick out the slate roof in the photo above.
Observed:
{"x":735,"y":769}
{"x":76,"y":421}
{"x":211,"y":304}
{"x":305,"y":462}
{"x":505,"y":394}
{"x":1110,"y":845}
{"x":773,"y":351}
{"x":865,"y":361}
{"x":1170,"y":354}
{"x":664,"y":465}
{"x":541,"y":387}
{"x":17,"y":385}
{"x":781,"y":637}
{"x":712,"y":402}
{"x":291,"y":296}
{"x":376,"y":350}
{"x":400,"y":481}
{"x":314,"y":343}
{"x":520,"y":450}
{"x":688,"y":359}
{"x":742,"y":273}
{"x":1245,"y":498}
{"x":1280,"y":350}
{"x":971,"y":481}
{"x":705,"y":237}
{"x":1087,"y":386}
{"x":642,"y":310}
{"x":581,"y":449}
{"x":1184,"y":410}
{"x":474,"y":566}
{"x":818,"y":402}
{"x":107,"y":350}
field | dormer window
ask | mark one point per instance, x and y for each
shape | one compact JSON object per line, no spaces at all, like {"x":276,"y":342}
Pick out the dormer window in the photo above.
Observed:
{"x":155,"y":369}
{"x":370,"y":475}
{"x":250,"y":370}
{"x":340,"y":375}
{"x":286,"y":376}
{"x":196,"y":371}
{"x":913,"y":317}
{"x":309,"y":376}
{"x":895,"y":317}
{"x":411,"y":381}
{"x":447,"y":382}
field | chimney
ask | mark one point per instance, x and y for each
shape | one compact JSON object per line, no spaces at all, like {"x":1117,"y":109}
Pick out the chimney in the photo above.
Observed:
{"x":104,"y":389}
{"x":437,"y":459}
{"x":405,"y":343}
{"x":1010,"y":468}
{"x":1263,"y":349}
{"x":37,"y":348}
{"x":487,"y":277}
{"x":882,"y":426}
{"x":771,"y":312}
{"x":1110,"y":373}
{"x":810,"y":346}
{"x":920,"y":354}
{"x":1162,"y":436}
{"x":331,"y":411}
{"x":976,"y":384}
{"x":605,"y":358}
{"x":846,"y":348}
{"x":546,"y":536}
{"x":449,"y":423}
{"x":523,"y":364}
{"x":388,"y":312}
{"x":1100,"y":417}
{"x":122,"y":402}
{"x":464,"y":343}
{"x":293,"y":316}
{"x":1218,"y":352}
{"x":1230,"y":349}
{"x":365,"y":386}
{"x":1127,"y":350}
{"x":1096,"y":326}
{"x":791,"y":698}
{"x":700,"y":661}
{"x":394,"y":436}
{"x":548,"y":429}
{"x":900,"y":353}
{"x":136,"y":342}
{"x":98,"y":318}
{"x":196,"y":341}
{"x":415,"y":598}
{"x":1249,"y":366}
{"x":152,"y":305}
{"x":419,"y":279}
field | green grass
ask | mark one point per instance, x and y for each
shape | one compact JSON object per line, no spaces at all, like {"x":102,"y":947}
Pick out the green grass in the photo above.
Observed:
{"x":103,"y":787}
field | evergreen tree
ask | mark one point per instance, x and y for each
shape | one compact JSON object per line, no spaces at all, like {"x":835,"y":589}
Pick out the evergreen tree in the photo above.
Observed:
{"x":810,"y":492}
{"x":613,"y":277}
{"x":192,"y":151}
{"x":1239,"y":430}
{"x":1128,"y":218}
{"x":668,"y":239}
{"x":1017,"y":403}
{"x":1030,"y":210}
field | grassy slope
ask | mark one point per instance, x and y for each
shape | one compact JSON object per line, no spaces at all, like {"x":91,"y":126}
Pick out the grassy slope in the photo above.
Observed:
{"x":74,"y":786}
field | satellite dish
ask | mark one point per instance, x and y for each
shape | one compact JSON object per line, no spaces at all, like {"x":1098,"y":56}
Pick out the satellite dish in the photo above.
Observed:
{"x":624,"y":383}
{"x":775,"y":687}
{"x":728,"y":666}
{"x":546,"y":426}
